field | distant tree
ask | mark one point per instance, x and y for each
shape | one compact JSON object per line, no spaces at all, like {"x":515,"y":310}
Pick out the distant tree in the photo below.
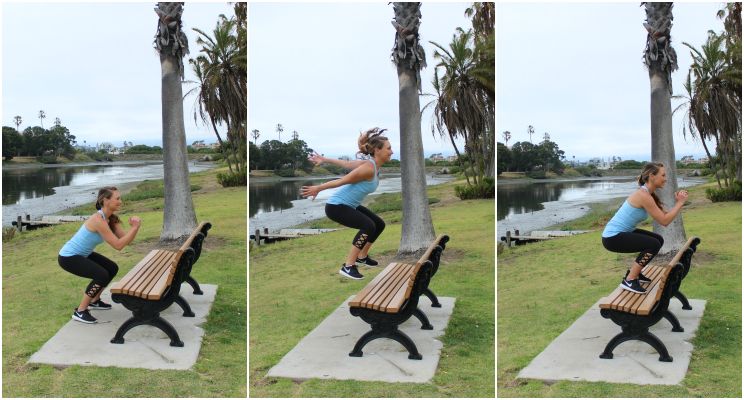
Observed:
{"x":507,"y":136}
{"x":18,"y":121}
{"x":503,"y":158}
{"x":12,"y":142}
{"x":295,"y":135}
{"x":530,"y":131}
{"x":57,"y":121}
{"x":42,"y":115}
{"x":255,"y":135}
{"x":279,"y":129}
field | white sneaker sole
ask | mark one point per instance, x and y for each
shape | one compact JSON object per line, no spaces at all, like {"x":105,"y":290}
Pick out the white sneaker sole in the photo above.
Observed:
{"x":349,"y":276}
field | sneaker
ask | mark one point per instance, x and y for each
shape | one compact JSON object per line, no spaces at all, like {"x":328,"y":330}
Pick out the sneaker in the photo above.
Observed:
{"x":100,"y":305}
{"x":350,"y":272}
{"x":83,"y":316}
{"x":641,"y":277}
{"x":633,"y":286}
{"x":367,"y":261}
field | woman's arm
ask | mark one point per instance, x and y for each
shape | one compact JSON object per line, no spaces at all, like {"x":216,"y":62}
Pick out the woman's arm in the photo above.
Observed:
{"x":659,"y":215}
{"x":361,"y":173}
{"x":113,"y":239}
{"x":350,"y":164}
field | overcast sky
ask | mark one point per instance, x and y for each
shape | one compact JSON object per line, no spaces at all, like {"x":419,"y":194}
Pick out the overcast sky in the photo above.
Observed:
{"x":93,"y":65}
{"x":575,"y":70}
{"x":324,"y":70}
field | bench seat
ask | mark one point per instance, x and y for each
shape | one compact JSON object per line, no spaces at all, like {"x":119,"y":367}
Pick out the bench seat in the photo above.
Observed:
{"x":150,"y":277}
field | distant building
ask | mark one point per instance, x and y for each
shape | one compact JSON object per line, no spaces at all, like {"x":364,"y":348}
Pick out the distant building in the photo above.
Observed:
{"x":599,"y":163}
{"x":436,"y":157}
{"x":687,"y":160}
{"x":451,"y":158}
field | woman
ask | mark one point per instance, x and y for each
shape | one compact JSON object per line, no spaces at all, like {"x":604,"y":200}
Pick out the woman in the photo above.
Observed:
{"x":620,"y":234}
{"x":345,"y":207}
{"x":77,"y":255}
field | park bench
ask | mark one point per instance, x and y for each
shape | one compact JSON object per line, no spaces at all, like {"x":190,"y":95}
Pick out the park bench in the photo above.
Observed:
{"x":392,"y":297}
{"x":154,"y":284}
{"x":635,"y":313}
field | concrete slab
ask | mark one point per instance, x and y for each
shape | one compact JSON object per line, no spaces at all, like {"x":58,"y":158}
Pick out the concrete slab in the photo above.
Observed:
{"x":324,"y":352}
{"x":574,"y":355}
{"x":144,"y":346}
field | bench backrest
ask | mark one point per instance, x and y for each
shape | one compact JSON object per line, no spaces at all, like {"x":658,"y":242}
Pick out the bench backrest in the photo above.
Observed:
{"x":432,"y":254}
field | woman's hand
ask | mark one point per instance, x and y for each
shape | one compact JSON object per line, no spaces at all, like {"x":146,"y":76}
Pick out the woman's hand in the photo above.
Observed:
{"x":681,"y":196}
{"x":316,"y":158}
{"x":310,"y":191}
{"x":135,"y":222}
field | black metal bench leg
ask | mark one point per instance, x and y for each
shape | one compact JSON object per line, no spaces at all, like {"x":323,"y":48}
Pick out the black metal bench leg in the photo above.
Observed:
{"x":394,"y":334}
{"x":646,"y":337}
{"x":191,"y":281}
{"x":685,"y":304}
{"x":432,"y":297}
{"x":185,"y":306}
{"x":676,"y":327}
{"x":425,"y":325}
{"x":156,"y":321}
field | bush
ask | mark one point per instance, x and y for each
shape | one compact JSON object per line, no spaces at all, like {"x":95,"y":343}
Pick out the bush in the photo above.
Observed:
{"x":8,"y":234}
{"x":537,"y":174}
{"x":391,"y":202}
{"x":149,"y":190}
{"x":731,"y":193}
{"x":232,"y":179}
{"x":286,"y":172}
{"x":484,"y":190}
{"x":589,"y":171}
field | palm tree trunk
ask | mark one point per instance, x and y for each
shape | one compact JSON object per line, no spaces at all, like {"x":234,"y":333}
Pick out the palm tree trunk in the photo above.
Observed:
{"x":417,"y":230}
{"x":662,"y":149}
{"x":179,"y":218}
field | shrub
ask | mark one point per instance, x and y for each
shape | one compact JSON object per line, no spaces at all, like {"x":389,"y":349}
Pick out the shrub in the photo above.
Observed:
{"x":8,"y":234}
{"x":232,"y":179}
{"x":285,"y":172}
{"x":731,"y":193}
{"x":391,"y":202}
{"x":149,"y":190}
{"x":48,"y":159}
{"x":537,"y":174}
{"x":484,"y":190}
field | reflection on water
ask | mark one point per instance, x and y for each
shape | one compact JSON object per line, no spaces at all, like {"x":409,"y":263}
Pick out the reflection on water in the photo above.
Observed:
{"x":275,"y":196}
{"x":22,"y":184}
{"x":514,"y":199}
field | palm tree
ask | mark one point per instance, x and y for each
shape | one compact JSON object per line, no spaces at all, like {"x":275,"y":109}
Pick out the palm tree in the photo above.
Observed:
{"x":279,"y":129}
{"x":179,"y":218}
{"x":18,"y":121}
{"x":295,"y":135}
{"x":661,"y":59}
{"x":408,"y":56}
{"x":42,"y":115}
{"x":224,"y":68}
{"x":57,"y":121}
{"x":461,"y":105}
{"x":530,"y":131}
{"x":255,"y":134}
{"x":507,"y":136}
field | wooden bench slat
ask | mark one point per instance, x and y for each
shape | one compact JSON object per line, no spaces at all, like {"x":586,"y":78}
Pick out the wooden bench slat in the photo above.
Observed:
{"x":141,"y":286}
{"x":381,"y":295}
{"x":357,"y":300}
{"x":117,"y":287}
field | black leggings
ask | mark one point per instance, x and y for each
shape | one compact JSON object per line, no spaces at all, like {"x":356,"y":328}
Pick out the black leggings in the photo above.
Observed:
{"x":648,"y":243}
{"x":96,"y":267}
{"x":369,"y":224}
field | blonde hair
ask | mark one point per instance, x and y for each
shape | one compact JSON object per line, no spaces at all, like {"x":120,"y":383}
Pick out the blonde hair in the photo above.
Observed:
{"x":106,"y":193}
{"x":649,"y":169}
{"x":371,"y":140}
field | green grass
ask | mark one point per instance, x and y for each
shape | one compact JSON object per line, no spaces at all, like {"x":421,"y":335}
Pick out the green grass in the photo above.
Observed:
{"x":37,"y":289}
{"x":278,"y":323}
{"x":532,"y":311}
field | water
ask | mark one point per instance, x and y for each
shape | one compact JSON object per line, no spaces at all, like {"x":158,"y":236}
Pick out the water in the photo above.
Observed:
{"x":534,"y":206}
{"x":277,"y":205}
{"x":48,"y":190}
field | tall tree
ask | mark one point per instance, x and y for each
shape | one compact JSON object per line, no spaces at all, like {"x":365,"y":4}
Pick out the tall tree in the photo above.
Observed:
{"x":279,"y":130}
{"x":661,"y":59}
{"x":42,"y":115}
{"x":507,"y":136}
{"x":57,"y":121}
{"x":18,"y":121}
{"x":530,"y":131}
{"x":408,"y":56}
{"x":255,"y":134}
{"x":179,"y":218}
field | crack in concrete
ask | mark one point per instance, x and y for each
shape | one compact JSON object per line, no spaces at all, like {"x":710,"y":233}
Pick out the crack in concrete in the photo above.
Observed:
{"x":652,"y":372}
{"x":166,"y":359}
{"x":403,"y":371}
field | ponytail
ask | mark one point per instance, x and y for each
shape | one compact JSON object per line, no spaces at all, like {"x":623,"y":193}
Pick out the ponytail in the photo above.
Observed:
{"x":371,"y":140}
{"x":106,"y":193}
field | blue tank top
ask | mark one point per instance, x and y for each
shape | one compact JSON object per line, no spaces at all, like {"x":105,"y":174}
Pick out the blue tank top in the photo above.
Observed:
{"x":353,"y":193}
{"x":624,"y":220}
{"x":83,"y":242}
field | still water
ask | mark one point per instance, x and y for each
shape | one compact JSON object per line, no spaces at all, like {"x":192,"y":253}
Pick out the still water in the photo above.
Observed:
{"x":47,"y":190}
{"x":533,"y":206}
